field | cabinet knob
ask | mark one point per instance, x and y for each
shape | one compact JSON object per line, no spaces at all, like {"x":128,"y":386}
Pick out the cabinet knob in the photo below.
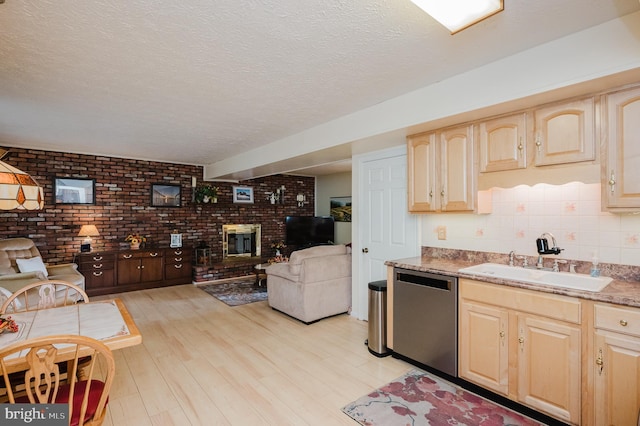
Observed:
{"x":612,"y":181}
{"x":97,"y":266}
{"x":178,"y":252}
{"x":623,"y":323}
{"x":178,"y":266}
{"x":442,"y":193}
{"x":520,"y":146}
{"x":97,"y":258}
{"x":177,"y":259}
{"x":127,"y":256}
{"x":600,"y":361}
{"x":97,"y":274}
{"x":154,"y":254}
{"x":365,"y":250}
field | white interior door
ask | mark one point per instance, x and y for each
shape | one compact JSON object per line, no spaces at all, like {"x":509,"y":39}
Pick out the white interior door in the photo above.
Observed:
{"x":384,"y":230}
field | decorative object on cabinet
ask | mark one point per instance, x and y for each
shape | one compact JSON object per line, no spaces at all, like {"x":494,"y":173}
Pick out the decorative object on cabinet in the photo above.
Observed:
{"x":242,"y":194}
{"x":176,"y":239}
{"x":74,"y":191}
{"x":165,"y":195}
{"x":87,"y":231}
{"x":340,"y":209}
{"x":18,"y":190}
{"x":205,"y":194}
{"x":457,"y":15}
{"x":135,"y":241}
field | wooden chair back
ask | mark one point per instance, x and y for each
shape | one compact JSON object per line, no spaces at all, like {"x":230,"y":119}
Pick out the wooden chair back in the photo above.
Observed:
{"x":44,"y":295}
{"x":36,"y":378}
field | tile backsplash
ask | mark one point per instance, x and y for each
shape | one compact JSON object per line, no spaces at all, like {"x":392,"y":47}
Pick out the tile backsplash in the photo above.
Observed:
{"x":571,"y":212}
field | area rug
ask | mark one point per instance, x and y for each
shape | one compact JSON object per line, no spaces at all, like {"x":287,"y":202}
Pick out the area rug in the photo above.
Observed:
{"x":420,"y":398}
{"x":237,"y":293}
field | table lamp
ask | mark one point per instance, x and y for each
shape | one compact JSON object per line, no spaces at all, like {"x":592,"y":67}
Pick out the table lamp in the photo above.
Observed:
{"x":87,"y":231}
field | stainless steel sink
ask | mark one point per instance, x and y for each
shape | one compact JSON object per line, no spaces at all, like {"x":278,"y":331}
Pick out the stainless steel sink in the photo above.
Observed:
{"x":537,"y":276}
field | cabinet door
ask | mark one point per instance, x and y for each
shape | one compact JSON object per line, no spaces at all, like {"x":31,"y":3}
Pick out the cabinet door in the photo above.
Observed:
{"x":421,"y":171}
{"x":128,"y":270}
{"x":483,"y":346}
{"x":616,"y":379}
{"x":621,"y":183}
{"x":549,"y":367}
{"x":565,"y":133}
{"x":151,"y":268}
{"x":503,"y":143}
{"x":457,"y":192}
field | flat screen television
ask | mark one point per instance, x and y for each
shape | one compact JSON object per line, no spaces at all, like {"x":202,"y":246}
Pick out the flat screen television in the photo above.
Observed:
{"x":309,"y":230}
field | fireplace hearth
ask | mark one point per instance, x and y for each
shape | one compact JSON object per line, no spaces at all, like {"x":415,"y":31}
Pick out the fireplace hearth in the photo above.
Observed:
{"x":241,"y":240}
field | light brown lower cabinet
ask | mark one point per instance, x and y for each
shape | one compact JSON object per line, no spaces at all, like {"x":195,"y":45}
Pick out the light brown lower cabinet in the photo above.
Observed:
{"x":522,"y":344}
{"x":616,"y":354}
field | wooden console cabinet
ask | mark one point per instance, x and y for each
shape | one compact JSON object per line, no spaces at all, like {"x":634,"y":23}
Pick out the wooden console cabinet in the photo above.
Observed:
{"x":127,"y":270}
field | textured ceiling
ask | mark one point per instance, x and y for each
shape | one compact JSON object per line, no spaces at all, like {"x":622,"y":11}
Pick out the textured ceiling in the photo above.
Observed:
{"x":197,"y":81}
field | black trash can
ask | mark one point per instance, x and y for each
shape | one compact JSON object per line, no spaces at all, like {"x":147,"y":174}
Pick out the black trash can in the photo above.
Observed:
{"x":377,"y":341}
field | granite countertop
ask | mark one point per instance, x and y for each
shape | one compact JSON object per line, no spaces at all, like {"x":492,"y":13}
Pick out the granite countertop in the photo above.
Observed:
{"x":625,"y":293}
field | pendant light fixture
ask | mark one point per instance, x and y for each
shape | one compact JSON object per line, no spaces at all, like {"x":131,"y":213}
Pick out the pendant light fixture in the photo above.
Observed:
{"x":18,"y":190}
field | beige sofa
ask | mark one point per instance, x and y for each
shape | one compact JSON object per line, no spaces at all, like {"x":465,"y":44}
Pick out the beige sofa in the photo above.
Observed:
{"x":16,"y":253}
{"x":314,"y":284}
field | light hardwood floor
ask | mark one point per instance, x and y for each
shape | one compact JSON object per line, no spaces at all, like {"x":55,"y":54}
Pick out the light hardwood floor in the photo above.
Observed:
{"x":202,"y":362}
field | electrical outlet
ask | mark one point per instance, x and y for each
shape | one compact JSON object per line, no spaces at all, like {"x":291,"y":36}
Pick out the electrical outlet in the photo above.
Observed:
{"x":442,"y":232}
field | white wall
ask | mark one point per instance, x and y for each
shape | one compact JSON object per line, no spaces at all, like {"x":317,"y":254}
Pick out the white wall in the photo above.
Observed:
{"x":571,"y":212}
{"x":585,"y":56}
{"x":334,"y":185}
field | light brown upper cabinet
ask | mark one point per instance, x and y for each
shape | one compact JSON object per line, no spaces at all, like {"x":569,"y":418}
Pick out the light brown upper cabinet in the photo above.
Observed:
{"x":565,"y":133}
{"x":503,"y":143}
{"x":441,"y":171}
{"x":621,"y":165}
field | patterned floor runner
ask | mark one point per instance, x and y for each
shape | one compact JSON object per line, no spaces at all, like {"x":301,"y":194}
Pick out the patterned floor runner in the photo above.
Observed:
{"x":420,"y":398}
{"x":237,"y":293}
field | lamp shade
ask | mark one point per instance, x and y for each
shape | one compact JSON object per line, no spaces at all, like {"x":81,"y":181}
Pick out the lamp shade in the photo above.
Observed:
{"x":18,"y":190}
{"x":88,"y":231}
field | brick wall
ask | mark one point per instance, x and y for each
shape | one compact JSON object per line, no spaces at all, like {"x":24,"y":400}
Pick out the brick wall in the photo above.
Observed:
{"x":123,"y":205}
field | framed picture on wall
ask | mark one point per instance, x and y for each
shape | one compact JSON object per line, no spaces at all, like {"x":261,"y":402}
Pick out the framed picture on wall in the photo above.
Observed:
{"x":242,"y":194}
{"x":340,"y":209}
{"x":74,"y":191}
{"x":165,"y":195}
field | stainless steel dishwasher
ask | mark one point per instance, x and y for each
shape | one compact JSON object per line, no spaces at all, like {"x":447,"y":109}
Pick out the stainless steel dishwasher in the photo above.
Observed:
{"x":425,"y":319}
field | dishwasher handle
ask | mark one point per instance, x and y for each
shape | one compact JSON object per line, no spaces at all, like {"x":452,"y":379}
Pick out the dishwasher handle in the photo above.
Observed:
{"x":432,"y":281}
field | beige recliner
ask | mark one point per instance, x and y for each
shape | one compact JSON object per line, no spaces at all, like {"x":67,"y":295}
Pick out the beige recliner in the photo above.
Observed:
{"x":23,"y":250}
{"x":314,"y":284}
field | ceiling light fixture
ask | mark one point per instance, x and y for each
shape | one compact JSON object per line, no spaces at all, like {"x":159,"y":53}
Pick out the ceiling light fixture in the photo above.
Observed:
{"x":18,"y":190}
{"x":457,"y":15}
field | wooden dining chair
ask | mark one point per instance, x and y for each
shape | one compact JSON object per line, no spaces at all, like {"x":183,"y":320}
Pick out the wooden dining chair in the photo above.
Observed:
{"x":39,"y":380}
{"x":43,"y":295}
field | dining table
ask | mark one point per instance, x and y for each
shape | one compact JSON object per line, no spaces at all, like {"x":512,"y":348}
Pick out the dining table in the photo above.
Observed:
{"x":107,"y":321}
